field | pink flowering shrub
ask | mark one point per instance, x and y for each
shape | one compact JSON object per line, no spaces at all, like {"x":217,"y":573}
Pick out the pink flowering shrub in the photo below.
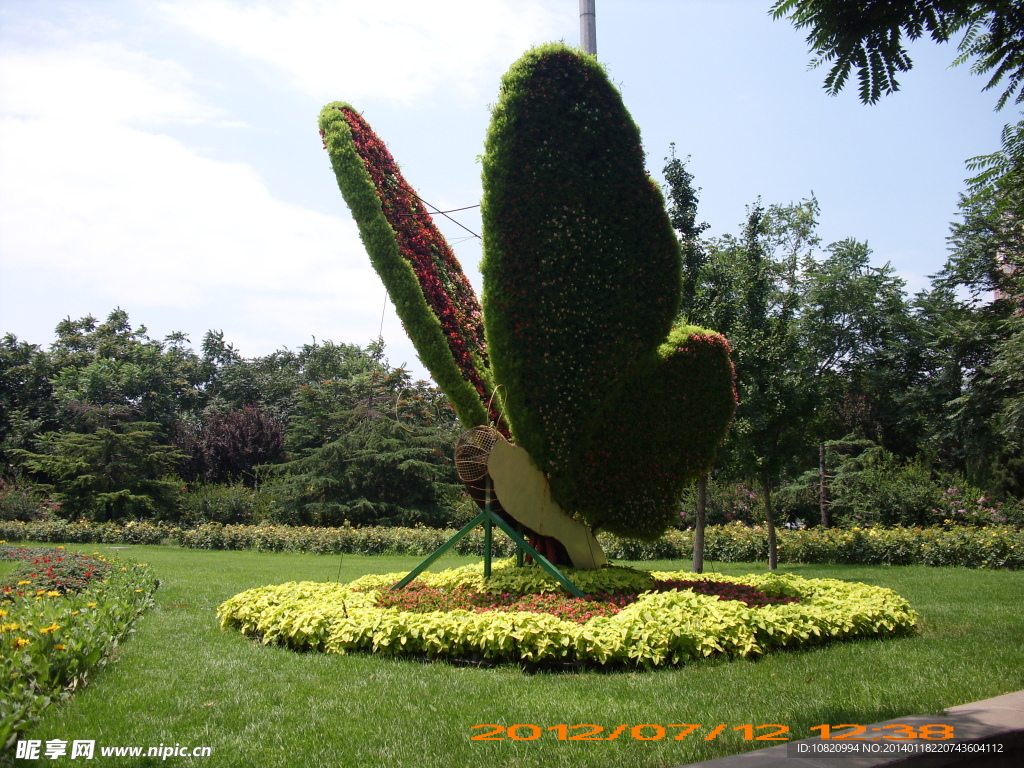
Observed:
{"x":967,"y":506}
{"x":726,"y":503}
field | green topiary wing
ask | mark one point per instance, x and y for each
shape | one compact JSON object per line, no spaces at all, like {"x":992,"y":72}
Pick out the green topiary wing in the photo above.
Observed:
{"x":581,"y":267}
{"x":430,"y":292}
{"x":657,"y":436}
{"x":581,"y":284}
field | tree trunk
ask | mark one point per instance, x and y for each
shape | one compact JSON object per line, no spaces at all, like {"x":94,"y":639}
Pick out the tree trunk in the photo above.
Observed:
{"x":826,"y":521}
{"x":773,"y":552}
{"x":698,"y":531}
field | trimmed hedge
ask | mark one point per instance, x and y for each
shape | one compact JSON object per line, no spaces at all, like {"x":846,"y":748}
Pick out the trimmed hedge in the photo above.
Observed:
{"x":660,"y":628}
{"x":961,"y":547}
{"x":82,"y":532}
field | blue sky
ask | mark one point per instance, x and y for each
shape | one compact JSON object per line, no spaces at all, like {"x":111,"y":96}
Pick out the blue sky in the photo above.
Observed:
{"x":163,"y":156}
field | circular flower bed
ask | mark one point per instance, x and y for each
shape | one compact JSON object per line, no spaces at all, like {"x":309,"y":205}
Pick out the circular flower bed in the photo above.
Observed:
{"x":521,"y":614}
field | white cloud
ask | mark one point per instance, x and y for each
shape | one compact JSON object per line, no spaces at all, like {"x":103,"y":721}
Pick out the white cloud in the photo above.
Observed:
{"x":96,"y":203}
{"x":131,"y":204}
{"x":98,"y":83}
{"x":104,"y":202}
{"x":397,"y":50}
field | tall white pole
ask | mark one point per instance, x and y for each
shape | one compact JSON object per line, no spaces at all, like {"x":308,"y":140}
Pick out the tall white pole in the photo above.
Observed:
{"x":588,"y":26}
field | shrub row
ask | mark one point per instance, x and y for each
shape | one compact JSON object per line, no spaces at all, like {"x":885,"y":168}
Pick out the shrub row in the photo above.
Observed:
{"x":51,"y":640}
{"x":82,"y":532}
{"x":659,"y":628}
{"x":962,"y":547}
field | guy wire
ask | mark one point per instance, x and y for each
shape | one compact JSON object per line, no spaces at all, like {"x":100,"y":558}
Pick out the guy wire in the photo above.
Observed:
{"x":438,"y":210}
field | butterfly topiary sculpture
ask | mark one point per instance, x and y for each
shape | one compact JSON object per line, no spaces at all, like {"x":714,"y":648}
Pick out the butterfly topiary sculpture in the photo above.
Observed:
{"x":615,"y":408}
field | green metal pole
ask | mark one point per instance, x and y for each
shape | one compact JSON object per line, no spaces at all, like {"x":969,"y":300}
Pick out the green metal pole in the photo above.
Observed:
{"x":542,"y":561}
{"x":489,"y":518}
{"x":488,"y":514}
{"x":441,"y":550}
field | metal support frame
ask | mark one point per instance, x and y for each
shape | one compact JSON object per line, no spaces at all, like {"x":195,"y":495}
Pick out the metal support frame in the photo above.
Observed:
{"x":489,"y":519}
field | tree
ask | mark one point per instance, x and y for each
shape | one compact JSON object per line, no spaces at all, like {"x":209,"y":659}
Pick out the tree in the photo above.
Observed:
{"x":805,"y":327}
{"x":92,"y":417}
{"x":682,"y":213}
{"x":849,"y":306}
{"x":114,"y":472}
{"x":228,"y":446}
{"x":379,"y":472}
{"x":320,"y":414}
{"x":112,"y":365}
{"x":869,"y":36}
{"x":853,"y":317}
{"x":371,"y":449}
{"x":104,"y":392}
{"x":1000,"y":177}
{"x":973,"y":313}
{"x":776,"y":390}
{"x":268,"y":383}
{"x":27,"y":407}
{"x":1007,"y":368}
{"x":272,"y":382}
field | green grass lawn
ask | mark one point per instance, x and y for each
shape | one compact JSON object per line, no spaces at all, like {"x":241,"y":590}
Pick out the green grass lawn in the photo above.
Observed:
{"x":181,"y":680}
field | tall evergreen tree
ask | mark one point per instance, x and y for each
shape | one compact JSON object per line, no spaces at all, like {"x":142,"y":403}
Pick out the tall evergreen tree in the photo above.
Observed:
{"x":115,"y":471}
{"x":372,"y":449}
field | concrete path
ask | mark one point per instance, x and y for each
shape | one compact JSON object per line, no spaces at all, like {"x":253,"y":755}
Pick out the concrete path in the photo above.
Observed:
{"x":990,"y":734}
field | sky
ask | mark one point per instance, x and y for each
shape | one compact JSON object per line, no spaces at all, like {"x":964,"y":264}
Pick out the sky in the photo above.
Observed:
{"x":163,"y":157}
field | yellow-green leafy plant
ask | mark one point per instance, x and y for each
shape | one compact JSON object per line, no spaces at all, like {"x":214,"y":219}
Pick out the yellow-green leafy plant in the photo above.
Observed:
{"x":660,"y":628}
